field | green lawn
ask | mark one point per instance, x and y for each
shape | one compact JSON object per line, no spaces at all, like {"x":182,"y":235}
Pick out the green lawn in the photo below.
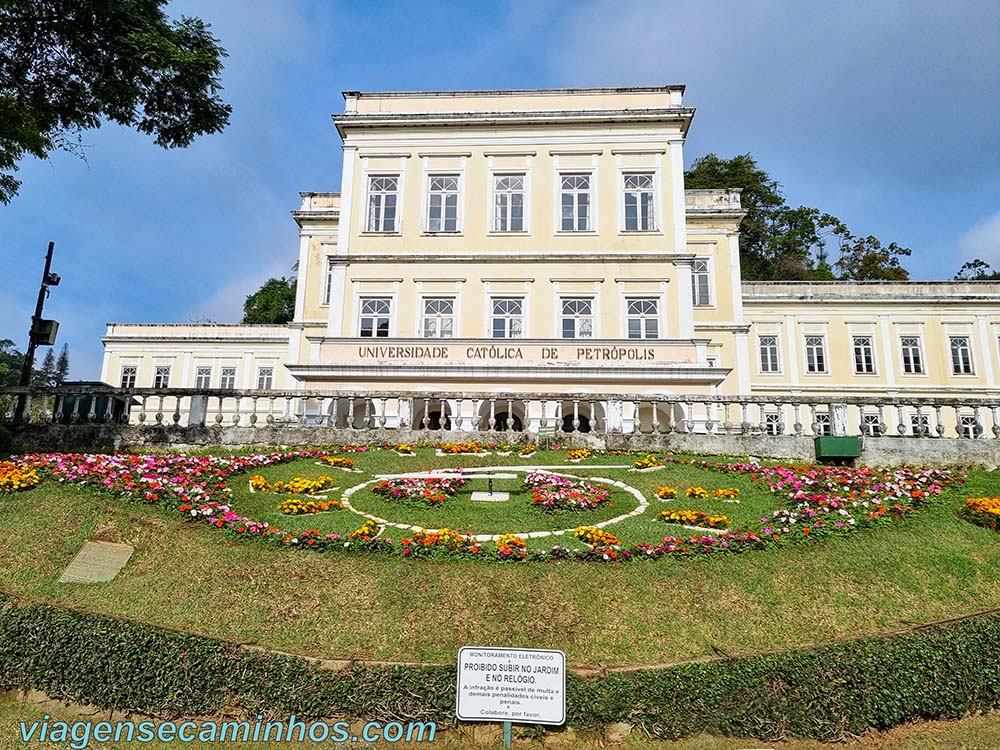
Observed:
{"x":191,"y":577}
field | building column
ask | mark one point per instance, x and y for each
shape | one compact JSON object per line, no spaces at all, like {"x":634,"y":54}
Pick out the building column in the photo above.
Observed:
{"x":683,"y":299}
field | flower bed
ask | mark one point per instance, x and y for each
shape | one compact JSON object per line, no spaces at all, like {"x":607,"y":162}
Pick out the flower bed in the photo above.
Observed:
{"x":511,"y":547}
{"x":294,"y":486}
{"x":296,"y":506}
{"x":596,"y":537}
{"x":16,"y":478}
{"x":461,"y":449}
{"x":425,"y":543}
{"x":428,"y":491}
{"x":693,"y":518}
{"x":339,"y":462}
{"x":551,"y":492}
{"x":579,"y":454}
{"x":982,"y":511}
{"x":649,"y":461}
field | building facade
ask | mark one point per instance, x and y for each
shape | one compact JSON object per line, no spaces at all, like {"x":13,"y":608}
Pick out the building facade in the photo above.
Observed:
{"x":542,"y":241}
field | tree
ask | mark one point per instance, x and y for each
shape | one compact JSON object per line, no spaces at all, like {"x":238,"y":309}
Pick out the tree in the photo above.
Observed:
{"x":273,"y":303}
{"x":46,"y":376}
{"x":866,"y":259}
{"x":62,"y":365}
{"x":781,"y":242}
{"x":11,"y":361}
{"x":977,"y":270}
{"x":67,"y":66}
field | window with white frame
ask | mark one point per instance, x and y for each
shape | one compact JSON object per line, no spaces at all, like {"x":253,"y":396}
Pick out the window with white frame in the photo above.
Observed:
{"x":920,"y":424}
{"x":508,"y":317}
{"x":374,"y":318}
{"x":577,"y":318}
{"x":129,"y":373}
{"x":768,"y":348}
{"x":968,"y":426}
{"x":864,"y":355}
{"x":913,"y":358}
{"x":383,"y":196}
{"x":639,"y":201}
{"x":961,"y":355}
{"x":161,"y":376}
{"x":328,"y":281}
{"x":823,"y":424}
{"x":575,"y":203}
{"x":642,"y":317}
{"x":227,"y":378}
{"x":203,"y":377}
{"x":871,"y":424}
{"x":439,"y":317}
{"x":815,"y":354}
{"x":772,"y":423}
{"x":700,"y":283}
{"x":508,"y":203}
{"x":442,"y":203}
{"x":265,"y":378}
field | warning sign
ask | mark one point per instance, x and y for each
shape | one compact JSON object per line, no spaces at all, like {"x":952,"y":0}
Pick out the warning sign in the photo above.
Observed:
{"x":522,"y":685}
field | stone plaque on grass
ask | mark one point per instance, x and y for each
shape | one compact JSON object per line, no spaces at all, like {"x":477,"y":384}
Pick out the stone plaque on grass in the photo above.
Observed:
{"x":97,"y":562}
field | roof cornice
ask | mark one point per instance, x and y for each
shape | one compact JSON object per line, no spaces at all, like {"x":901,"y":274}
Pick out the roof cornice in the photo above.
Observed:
{"x":681,"y":115}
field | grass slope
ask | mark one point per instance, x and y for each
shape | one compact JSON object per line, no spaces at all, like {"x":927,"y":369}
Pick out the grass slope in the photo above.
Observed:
{"x":931,"y":566}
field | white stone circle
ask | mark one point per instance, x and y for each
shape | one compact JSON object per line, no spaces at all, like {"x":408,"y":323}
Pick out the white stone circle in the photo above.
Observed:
{"x":639,"y":510}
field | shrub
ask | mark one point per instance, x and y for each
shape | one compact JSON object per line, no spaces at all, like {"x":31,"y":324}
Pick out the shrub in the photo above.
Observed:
{"x":943,"y":671}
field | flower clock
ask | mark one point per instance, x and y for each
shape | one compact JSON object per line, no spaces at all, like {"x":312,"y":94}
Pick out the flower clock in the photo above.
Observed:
{"x":813,"y":502}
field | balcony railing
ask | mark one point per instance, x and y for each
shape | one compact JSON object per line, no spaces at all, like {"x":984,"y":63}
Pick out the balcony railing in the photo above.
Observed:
{"x":596,"y":414}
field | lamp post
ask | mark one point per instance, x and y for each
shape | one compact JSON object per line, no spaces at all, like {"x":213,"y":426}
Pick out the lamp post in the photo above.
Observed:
{"x":42,"y":332}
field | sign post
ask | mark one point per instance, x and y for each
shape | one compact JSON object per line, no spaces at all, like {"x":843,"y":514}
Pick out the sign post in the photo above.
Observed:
{"x":511,"y":685}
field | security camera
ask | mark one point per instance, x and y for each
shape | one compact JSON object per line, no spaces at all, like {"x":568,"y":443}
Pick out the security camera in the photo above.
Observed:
{"x":52,"y":279}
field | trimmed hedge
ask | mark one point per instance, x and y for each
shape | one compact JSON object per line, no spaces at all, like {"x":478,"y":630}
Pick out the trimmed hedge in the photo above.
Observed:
{"x":943,"y":671}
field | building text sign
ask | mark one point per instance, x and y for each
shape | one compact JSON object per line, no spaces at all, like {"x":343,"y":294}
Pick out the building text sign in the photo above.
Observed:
{"x":503,"y":351}
{"x":520,"y":685}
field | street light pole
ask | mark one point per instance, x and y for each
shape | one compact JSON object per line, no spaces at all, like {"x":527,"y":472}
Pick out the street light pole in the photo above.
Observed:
{"x":33,"y":335}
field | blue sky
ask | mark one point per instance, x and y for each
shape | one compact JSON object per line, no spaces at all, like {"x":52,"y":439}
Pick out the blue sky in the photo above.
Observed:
{"x":884,"y":113}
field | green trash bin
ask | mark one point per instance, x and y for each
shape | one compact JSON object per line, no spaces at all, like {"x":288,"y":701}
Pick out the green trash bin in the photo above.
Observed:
{"x":837,"y":447}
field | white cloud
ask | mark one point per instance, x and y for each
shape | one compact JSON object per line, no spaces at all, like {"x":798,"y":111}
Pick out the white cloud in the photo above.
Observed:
{"x":982,"y":241}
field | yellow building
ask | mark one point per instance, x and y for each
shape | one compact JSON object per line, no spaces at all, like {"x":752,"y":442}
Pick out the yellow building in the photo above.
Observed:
{"x":513,"y":243}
